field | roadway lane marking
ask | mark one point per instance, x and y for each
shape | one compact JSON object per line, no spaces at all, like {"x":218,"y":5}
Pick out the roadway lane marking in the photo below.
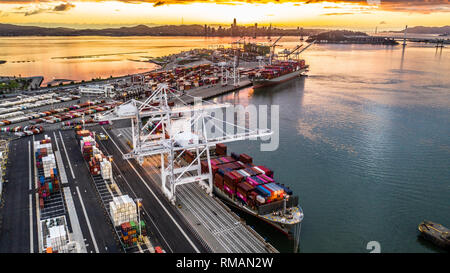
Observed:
{"x":29,"y":166}
{"x":31,"y":224}
{"x":77,"y":233}
{"x":67,"y":156}
{"x":154,"y":195}
{"x":87,"y":220}
{"x":76,"y":229}
{"x":38,"y":216}
{"x":31,"y":199}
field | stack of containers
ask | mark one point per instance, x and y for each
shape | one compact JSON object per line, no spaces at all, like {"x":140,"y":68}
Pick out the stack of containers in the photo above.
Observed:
{"x":243,"y":191}
{"x":265,"y":170}
{"x":49,"y":163}
{"x":105,"y":169}
{"x":45,"y":161}
{"x":230,"y":181}
{"x":122,"y":210}
{"x":57,"y":238}
{"x":245,"y":158}
{"x":270,"y":191}
{"x":259,"y":180}
{"x":83,"y":133}
{"x":221,"y":149}
{"x":239,"y":178}
{"x":87,"y":144}
{"x":94,"y":163}
{"x":218,"y":181}
{"x":130,"y":231}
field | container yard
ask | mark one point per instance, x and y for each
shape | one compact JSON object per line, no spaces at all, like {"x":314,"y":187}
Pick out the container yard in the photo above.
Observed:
{"x":52,"y":211}
{"x":60,"y":218}
{"x":121,"y":209}
{"x":119,"y":192}
{"x":56,"y":111}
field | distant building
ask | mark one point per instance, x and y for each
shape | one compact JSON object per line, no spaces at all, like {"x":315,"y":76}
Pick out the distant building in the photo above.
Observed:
{"x":105,"y":90}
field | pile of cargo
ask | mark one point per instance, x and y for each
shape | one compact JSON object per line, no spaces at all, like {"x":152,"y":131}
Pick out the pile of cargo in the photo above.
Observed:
{"x":98,"y":163}
{"x":48,"y":177}
{"x":106,"y":169}
{"x":185,"y":78}
{"x":57,"y":238}
{"x":122,"y":209}
{"x":130,"y":232}
{"x":240,"y":179}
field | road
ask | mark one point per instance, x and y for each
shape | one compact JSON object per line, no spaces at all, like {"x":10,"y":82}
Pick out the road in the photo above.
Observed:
{"x":169,"y":226}
{"x":15,"y":220}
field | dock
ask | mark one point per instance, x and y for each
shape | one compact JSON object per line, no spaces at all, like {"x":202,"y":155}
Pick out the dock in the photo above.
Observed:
{"x":212,"y":91}
{"x":220,"y":228}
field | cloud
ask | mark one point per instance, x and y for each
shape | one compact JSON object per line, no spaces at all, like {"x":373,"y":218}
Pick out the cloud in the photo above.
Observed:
{"x":338,"y":13}
{"x":33,"y":9}
{"x":63,"y":7}
{"x":159,"y":3}
{"x":415,"y":6}
{"x":383,"y":23}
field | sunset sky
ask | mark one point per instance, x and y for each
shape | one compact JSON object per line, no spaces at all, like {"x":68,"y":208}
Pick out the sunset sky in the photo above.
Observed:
{"x":386,"y":14}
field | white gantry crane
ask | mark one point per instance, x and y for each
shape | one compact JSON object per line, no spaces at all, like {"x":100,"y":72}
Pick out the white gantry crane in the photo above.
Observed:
{"x":230,"y":71}
{"x":165,"y":125}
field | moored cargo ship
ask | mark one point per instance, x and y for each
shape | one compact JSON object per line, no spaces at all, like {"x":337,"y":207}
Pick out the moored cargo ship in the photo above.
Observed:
{"x":278,"y":72}
{"x":252,"y":189}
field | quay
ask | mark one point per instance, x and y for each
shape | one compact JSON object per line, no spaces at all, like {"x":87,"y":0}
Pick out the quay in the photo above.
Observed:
{"x":221,"y":229}
{"x":209,"y":92}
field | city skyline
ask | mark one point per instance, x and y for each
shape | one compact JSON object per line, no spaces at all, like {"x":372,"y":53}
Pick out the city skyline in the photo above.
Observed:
{"x":388,"y":15}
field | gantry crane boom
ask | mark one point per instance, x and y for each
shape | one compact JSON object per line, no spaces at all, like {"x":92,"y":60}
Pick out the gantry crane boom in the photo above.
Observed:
{"x":182,"y":127}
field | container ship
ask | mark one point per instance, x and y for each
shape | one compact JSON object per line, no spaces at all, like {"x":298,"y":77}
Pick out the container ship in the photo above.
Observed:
{"x":278,"y":72}
{"x":252,"y":189}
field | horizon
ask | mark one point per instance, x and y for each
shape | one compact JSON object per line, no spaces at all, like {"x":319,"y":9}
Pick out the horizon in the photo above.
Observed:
{"x":150,"y":25}
{"x":390,"y":15}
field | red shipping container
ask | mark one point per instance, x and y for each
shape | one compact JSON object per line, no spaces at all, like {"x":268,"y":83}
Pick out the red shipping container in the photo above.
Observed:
{"x":245,"y":158}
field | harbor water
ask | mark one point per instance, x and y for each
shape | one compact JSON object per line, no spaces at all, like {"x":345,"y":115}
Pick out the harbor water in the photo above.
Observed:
{"x":365,"y":143}
{"x":364,"y":139}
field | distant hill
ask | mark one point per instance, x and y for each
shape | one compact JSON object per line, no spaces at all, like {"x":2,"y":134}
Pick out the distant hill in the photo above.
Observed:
{"x":427,"y":30}
{"x":143,"y":30}
{"x":335,"y":35}
{"x":140,"y":30}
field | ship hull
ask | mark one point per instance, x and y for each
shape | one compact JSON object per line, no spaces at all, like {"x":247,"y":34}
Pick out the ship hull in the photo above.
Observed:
{"x":433,"y":232}
{"x":284,"y":228}
{"x":258,"y":83}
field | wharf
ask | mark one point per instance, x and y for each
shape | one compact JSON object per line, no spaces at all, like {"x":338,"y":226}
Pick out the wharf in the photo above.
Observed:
{"x":215,"y":223}
{"x":209,"y":91}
